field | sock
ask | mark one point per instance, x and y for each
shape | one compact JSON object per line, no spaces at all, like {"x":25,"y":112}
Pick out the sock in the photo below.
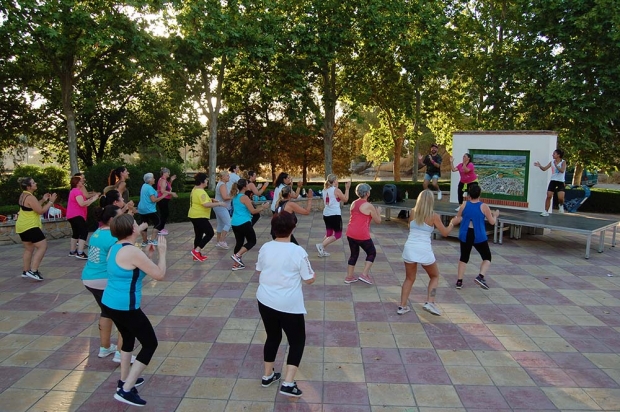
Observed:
{"x":288,"y":384}
{"x":270,"y":376}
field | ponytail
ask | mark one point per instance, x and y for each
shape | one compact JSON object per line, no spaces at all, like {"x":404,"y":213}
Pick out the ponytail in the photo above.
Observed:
{"x":331,"y":178}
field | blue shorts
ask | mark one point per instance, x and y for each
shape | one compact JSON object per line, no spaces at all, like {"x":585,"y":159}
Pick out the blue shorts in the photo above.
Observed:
{"x":429,"y":178}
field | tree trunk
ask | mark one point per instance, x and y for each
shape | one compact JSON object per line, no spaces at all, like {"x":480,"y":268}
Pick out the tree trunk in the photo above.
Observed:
{"x":578,"y":173}
{"x":416,"y":130}
{"x":212,"y":150}
{"x":329,"y":104}
{"x":66,"y":88}
{"x":399,"y":139}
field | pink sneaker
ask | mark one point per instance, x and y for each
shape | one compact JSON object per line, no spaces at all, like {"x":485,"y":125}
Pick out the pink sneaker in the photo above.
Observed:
{"x":163,"y":232}
{"x":349,"y":280}
{"x":366,"y":279}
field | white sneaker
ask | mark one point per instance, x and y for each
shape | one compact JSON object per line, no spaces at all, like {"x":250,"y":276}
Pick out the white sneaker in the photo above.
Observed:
{"x":403,"y":309}
{"x":545,"y":214}
{"x":117,"y":358}
{"x":439,"y":195}
{"x":103,"y":352}
{"x":325,"y":254}
{"x":222,"y":245}
{"x":431,"y":308}
{"x":319,"y":247}
{"x":561,"y":208}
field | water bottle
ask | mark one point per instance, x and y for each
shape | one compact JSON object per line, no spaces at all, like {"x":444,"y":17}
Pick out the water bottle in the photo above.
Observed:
{"x":406,"y":195}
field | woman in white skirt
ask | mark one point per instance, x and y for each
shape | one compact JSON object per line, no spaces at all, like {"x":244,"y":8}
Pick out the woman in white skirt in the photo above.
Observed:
{"x":423,"y":220}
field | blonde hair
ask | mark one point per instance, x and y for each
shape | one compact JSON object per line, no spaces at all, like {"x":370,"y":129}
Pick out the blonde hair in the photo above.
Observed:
{"x":223,"y":173}
{"x":331,"y":178}
{"x":286,"y":190}
{"x":423,"y":209}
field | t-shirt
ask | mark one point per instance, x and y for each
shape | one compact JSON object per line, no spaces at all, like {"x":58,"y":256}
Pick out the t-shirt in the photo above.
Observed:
{"x":282,"y":266}
{"x":430,"y":168}
{"x":470,"y":176}
{"x":196,"y":201}
{"x":99,"y":245}
{"x":73,"y":207}
{"x":124,"y":290}
{"x":276,"y":195}
{"x":146,"y":205}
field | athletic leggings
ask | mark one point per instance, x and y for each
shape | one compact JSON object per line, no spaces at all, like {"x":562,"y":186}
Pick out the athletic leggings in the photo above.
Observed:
{"x":293,"y":325}
{"x":367,"y":245}
{"x":203,"y":231}
{"x":244,"y":233}
{"x":255,"y":218}
{"x":79,"y":228}
{"x":482,"y":247}
{"x":164,"y":212}
{"x":132,"y":325}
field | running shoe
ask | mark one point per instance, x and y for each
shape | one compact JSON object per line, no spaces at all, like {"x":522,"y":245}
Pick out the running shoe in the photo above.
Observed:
{"x":275,"y":377}
{"x":198,"y":256}
{"x":238,"y":266}
{"x":481,"y":282}
{"x":319,"y":247}
{"x":366,"y":279}
{"x":81,"y":255}
{"x":117,"y":358}
{"x":73,"y":253}
{"x":236,"y":258}
{"x":32,"y":275}
{"x":431,"y":308}
{"x":152,"y":242}
{"x":130,"y":398}
{"x":403,"y":309}
{"x":290,"y":390}
{"x":561,"y":209}
{"x":351,"y":279}
{"x":103,"y":352}
{"x":459,"y":283}
{"x":544,"y":214}
{"x":163,"y":232}
{"x":222,"y":245}
{"x":439,"y":195}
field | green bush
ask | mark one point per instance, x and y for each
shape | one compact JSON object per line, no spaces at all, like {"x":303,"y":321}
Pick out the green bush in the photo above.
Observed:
{"x":602,"y":201}
{"x":97,"y":176}
{"x":48,"y":180}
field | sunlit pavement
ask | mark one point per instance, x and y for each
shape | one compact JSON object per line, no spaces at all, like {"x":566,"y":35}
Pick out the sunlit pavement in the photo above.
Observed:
{"x":546,"y":336}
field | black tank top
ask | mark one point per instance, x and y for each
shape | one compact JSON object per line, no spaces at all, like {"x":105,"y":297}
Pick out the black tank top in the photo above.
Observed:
{"x":25,"y":208}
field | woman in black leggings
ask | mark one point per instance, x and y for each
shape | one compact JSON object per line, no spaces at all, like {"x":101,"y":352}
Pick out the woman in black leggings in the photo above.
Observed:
{"x":283,"y":266}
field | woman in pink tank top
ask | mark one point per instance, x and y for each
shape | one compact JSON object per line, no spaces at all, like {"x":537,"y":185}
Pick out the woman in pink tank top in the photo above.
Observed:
{"x":358,"y":234}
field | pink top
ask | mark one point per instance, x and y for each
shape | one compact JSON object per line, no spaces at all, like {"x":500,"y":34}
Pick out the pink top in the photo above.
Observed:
{"x":168,"y":188}
{"x":359,"y":223}
{"x":73,"y":207}
{"x":470,"y":176}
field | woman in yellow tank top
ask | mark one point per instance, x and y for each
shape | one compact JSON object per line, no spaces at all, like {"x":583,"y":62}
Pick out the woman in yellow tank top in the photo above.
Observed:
{"x":28,"y":226}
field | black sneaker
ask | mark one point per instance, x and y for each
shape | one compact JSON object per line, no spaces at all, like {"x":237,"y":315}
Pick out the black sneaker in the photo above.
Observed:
{"x":32,"y":275}
{"x":73,"y":253}
{"x":480,"y":281}
{"x":81,"y":255}
{"x":238,"y":266}
{"x":290,"y":390}
{"x":459,"y":283}
{"x":139,"y":382}
{"x":274,"y":378}
{"x":130,"y":398}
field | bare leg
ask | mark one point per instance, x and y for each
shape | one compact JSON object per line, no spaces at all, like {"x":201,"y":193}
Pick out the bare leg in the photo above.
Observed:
{"x":425,"y":184}
{"x":134,"y":372}
{"x":548,"y":201}
{"x":73,"y":245}
{"x":105,"y":331}
{"x":155,"y":233}
{"x":329,"y":240}
{"x":40,"y":249}
{"x":81,"y":244}
{"x":484,"y":266}
{"x":461,"y":269}
{"x":268,"y":368}
{"x":367,"y":266}
{"x":433,"y":274}
{"x":436,"y":184}
{"x":290,"y":373}
{"x":561,"y":198}
{"x":143,"y":234}
{"x":241,"y":251}
{"x":410,"y":275}
{"x":28,"y":251}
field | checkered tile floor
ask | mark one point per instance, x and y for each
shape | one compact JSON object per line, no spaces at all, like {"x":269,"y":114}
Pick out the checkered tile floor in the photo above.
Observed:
{"x":546,"y":336}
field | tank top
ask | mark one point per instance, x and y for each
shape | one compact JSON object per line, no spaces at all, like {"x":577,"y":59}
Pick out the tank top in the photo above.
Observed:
{"x":27,"y":218}
{"x":359,"y":223}
{"x":124,"y":290}
{"x":556,"y":175}
{"x":218,"y":195}
{"x":473,"y":213}
{"x":281,"y":207}
{"x":241,"y":214}
{"x":332,"y":203}
{"x":168,"y":188}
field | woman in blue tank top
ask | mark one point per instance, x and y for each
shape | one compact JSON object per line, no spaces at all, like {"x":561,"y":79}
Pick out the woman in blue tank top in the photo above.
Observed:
{"x":472,"y":233}
{"x":127,"y":267}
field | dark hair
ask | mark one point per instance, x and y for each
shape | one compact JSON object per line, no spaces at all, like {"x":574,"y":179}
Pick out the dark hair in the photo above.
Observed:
{"x":24,"y":182}
{"x":280,"y":179}
{"x":109,"y":198}
{"x":474,"y":191}
{"x":468,"y":156}
{"x":115,"y":175}
{"x":434,"y":145}
{"x":106,"y":213}
{"x":232,"y":168}
{"x":282,"y":224}
{"x":200,"y":178}
{"x":121,"y":226}
{"x":560,"y":153}
{"x":251,"y":173}
{"x":79,"y":174}
{"x":241,"y":183}
{"x":75,"y":180}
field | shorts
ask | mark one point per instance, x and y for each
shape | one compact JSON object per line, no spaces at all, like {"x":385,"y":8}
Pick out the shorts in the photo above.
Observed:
{"x":34,"y":235}
{"x":555,"y":185}
{"x":428,"y":177}
{"x":333,"y":222}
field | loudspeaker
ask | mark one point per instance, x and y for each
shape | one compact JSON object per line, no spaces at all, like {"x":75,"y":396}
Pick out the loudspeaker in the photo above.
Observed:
{"x":390,"y":193}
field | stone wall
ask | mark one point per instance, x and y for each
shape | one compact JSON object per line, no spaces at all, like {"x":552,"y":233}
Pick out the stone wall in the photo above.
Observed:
{"x":53,"y":229}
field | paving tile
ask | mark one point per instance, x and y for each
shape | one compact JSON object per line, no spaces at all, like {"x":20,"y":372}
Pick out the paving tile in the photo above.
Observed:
{"x":526,"y":398}
{"x":483,"y":397}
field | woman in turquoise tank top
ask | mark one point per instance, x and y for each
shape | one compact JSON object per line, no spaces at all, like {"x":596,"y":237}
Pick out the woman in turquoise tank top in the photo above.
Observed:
{"x":127,"y":267}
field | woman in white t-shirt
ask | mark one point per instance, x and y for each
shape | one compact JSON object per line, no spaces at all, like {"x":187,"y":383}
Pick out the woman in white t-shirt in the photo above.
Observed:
{"x":283,"y":179}
{"x":282,"y":267}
